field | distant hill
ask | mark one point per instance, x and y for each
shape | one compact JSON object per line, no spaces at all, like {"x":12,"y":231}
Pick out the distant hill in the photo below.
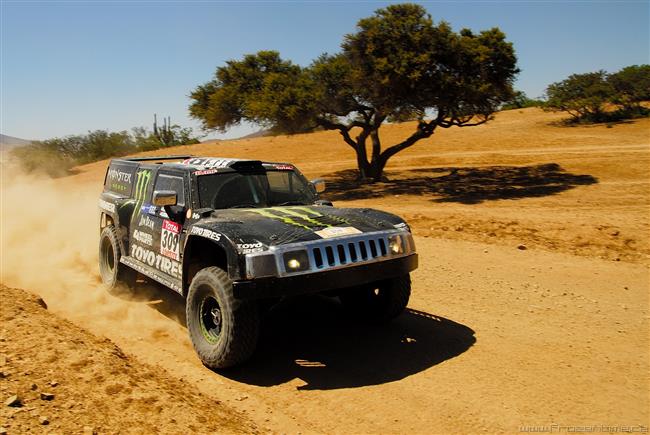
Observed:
{"x":259,"y":133}
{"x":256,"y":134}
{"x":8,"y":142}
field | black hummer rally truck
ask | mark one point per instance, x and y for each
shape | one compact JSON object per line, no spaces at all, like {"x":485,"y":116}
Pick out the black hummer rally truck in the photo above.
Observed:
{"x":231,"y":235}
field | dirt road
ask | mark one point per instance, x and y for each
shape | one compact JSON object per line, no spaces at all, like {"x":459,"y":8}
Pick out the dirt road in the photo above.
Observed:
{"x":493,"y":341}
{"x":496,"y":339}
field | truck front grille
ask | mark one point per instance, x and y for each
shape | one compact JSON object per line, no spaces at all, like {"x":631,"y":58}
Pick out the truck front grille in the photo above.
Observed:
{"x":334,"y":254}
{"x":326,"y":254}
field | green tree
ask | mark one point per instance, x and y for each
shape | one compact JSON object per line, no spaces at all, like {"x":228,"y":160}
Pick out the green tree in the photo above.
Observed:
{"x":631,"y":86}
{"x":398,"y":66}
{"x":583,"y":96}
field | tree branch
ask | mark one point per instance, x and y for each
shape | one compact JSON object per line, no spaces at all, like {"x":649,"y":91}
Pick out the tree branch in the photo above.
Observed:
{"x":342,"y":128}
{"x":455,"y":121}
{"x":424,"y":130}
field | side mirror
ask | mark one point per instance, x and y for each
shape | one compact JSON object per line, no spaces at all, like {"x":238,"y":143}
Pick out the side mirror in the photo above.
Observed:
{"x":319,"y":185}
{"x":162,"y":198}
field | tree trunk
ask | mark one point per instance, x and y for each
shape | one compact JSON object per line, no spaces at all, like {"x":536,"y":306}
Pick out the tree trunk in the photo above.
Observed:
{"x":370,"y":172}
{"x":362,"y":163}
{"x":376,"y":172}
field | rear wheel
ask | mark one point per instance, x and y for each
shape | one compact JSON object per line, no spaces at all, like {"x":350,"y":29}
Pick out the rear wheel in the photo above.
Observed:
{"x":115,"y":275}
{"x":223,"y":330}
{"x":380,"y":301}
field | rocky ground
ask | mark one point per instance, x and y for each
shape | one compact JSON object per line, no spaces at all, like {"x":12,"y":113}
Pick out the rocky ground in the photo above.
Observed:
{"x":59,"y":378}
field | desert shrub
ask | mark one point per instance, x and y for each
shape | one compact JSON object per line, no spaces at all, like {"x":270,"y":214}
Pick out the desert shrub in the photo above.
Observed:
{"x":583,"y":96}
{"x":56,"y":156}
{"x":631,"y":87}
{"x":37,"y":157}
{"x":601,"y":97}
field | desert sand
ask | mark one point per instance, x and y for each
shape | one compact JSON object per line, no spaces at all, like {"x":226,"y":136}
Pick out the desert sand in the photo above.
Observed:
{"x":530,"y":307}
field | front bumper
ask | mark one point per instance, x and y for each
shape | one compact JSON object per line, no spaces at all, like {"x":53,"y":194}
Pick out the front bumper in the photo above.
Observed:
{"x":326,"y":280}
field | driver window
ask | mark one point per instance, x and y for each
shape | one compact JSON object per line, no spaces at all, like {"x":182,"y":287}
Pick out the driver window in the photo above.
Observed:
{"x":169,"y":182}
{"x":280,"y":181}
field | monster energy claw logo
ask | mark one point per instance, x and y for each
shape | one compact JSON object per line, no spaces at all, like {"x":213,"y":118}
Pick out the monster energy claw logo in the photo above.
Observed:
{"x":141,"y":185}
{"x":302,"y":217}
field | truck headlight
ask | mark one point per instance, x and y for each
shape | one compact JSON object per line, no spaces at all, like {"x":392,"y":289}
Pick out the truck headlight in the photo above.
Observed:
{"x":258,"y":266}
{"x":396,"y":245}
{"x":295,"y":261}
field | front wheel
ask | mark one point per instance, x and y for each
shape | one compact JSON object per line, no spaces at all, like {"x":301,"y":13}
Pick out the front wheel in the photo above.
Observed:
{"x":223,"y":330}
{"x":380,"y":301}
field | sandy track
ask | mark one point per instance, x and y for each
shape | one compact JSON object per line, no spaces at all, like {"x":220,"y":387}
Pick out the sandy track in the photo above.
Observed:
{"x":496,"y":340}
{"x":492,"y":341}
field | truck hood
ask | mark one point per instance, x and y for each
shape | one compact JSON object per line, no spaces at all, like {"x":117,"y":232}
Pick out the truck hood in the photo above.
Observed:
{"x":260,"y":228}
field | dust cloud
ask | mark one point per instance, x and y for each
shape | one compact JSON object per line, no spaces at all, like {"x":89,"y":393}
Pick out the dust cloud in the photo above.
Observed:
{"x":49,"y":246}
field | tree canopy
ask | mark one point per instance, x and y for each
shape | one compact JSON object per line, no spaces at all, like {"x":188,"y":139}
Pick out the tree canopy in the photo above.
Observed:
{"x":631,"y":86}
{"x":398,"y":66}
{"x":581,"y":95}
{"x":599,"y":96}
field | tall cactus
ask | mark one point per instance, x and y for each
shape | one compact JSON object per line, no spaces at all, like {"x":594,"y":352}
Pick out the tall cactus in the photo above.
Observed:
{"x":164,"y":134}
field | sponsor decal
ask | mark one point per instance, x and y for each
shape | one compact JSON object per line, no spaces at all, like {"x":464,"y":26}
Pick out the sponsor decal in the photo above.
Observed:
{"x":142,"y":181}
{"x":170,"y":240}
{"x":119,"y":176}
{"x":250,"y":248}
{"x":146,"y":221}
{"x":163,"y":264}
{"x":204,"y":232}
{"x":149,"y":209}
{"x":209,"y":162}
{"x":206,"y":172}
{"x":119,"y":180}
{"x":115,"y":187}
{"x":283,"y":167}
{"x":142,"y":237}
{"x":302,"y":217}
{"x":105,"y":205}
{"x":328,"y":233}
{"x":401,"y":226}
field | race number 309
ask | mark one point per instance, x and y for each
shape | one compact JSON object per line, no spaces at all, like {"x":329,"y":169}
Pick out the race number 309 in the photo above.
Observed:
{"x":170,"y":240}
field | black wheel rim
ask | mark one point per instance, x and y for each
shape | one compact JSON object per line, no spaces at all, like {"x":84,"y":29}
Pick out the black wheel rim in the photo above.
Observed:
{"x":211,"y":319}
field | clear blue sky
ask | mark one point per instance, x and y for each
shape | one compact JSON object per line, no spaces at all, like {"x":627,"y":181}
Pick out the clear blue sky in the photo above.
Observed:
{"x":72,"y":66}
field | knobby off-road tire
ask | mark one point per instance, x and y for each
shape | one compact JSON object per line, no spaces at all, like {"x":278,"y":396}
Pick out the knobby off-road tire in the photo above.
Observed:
{"x":223,"y":330}
{"x":117,"y":277}
{"x":378,"y":302}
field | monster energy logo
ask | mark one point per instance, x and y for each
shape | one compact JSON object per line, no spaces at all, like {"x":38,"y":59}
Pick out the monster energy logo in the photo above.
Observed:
{"x":141,"y":185}
{"x":302,"y":217}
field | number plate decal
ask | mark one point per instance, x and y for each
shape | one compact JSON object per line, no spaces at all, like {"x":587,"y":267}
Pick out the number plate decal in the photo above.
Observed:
{"x":170,"y":240}
{"x":328,"y":233}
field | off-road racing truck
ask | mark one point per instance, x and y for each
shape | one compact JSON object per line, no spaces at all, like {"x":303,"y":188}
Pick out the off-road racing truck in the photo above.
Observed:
{"x":232,"y":235}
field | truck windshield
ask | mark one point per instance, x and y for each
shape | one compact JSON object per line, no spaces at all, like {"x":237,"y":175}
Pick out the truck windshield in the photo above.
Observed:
{"x":254,"y":189}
